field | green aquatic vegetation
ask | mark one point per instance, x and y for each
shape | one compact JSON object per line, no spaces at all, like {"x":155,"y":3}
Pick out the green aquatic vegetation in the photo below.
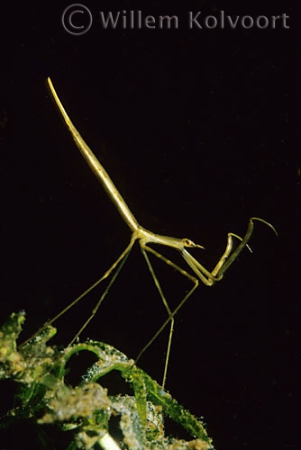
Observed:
{"x":88,"y":410}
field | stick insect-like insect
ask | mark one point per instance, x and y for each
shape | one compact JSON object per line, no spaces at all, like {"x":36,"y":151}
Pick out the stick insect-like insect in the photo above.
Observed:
{"x":146,"y":239}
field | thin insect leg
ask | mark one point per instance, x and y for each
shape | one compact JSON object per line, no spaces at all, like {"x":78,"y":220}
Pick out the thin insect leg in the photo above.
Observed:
{"x":219,"y":270}
{"x":119,"y":263}
{"x":83,"y":294}
{"x":225,"y":256}
{"x":182,"y":302}
{"x":224,"y":263}
{"x":171,"y":330}
{"x":207,"y":277}
{"x":227,"y":259}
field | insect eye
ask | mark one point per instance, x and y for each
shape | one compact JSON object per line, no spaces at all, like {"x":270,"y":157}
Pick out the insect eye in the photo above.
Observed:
{"x":188,"y":243}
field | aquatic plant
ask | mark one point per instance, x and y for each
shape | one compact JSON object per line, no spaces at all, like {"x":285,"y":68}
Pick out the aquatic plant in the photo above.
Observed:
{"x":88,"y":410}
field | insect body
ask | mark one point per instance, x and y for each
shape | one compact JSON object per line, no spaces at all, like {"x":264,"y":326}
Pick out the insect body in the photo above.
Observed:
{"x":146,"y":240}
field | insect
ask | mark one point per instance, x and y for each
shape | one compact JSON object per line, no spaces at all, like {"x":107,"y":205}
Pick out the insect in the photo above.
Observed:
{"x":146,"y":239}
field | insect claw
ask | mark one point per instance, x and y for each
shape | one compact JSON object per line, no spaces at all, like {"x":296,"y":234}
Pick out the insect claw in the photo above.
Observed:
{"x":266,"y":223}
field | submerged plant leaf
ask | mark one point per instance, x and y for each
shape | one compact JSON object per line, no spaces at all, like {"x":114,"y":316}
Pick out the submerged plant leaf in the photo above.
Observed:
{"x":88,"y":409}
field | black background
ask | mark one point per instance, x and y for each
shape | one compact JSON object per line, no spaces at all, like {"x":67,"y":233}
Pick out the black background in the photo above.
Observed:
{"x":197,"y":128}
